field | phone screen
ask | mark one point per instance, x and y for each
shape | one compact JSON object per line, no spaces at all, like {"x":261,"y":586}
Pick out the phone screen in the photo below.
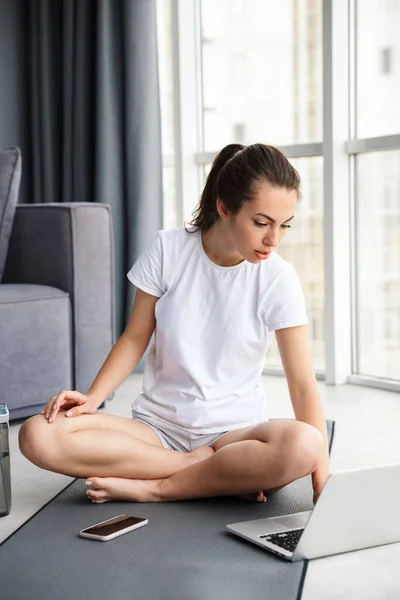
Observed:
{"x":113,"y":525}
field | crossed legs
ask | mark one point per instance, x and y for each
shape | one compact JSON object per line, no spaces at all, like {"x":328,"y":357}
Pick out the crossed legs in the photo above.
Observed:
{"x":124,"y":459}
{"x":101,"y":445}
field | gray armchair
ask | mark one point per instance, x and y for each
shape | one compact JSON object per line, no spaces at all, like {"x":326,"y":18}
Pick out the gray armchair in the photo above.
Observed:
{"x":56,"y":302}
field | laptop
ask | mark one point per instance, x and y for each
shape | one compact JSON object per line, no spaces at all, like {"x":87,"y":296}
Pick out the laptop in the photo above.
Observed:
{"x":356,"y":509}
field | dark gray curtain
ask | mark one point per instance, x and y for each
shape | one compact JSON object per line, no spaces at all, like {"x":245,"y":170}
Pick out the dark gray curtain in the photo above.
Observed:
{"x":95,"y":117}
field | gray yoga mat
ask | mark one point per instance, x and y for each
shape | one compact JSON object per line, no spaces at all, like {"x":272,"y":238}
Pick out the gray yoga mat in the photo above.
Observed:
{"x":184,"y":553}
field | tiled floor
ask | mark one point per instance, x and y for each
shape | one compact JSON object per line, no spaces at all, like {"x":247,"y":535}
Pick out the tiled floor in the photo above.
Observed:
{"x":367,"y":434}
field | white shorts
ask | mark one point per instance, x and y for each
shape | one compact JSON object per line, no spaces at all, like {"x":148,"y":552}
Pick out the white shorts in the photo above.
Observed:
{"x":174,"y":437}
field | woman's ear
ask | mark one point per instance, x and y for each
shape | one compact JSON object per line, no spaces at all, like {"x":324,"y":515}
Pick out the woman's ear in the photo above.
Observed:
{"x":221,"y":209}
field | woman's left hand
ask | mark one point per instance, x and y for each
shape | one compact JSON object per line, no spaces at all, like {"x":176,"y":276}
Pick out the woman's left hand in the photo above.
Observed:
{"x":318,"y":481}
{"x":317,"y":492}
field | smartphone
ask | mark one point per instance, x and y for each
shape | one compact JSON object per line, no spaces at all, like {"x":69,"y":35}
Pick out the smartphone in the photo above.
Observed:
{"x":112,"y":528}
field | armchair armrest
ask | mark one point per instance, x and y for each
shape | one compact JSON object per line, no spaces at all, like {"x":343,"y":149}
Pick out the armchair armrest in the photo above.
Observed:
{"x":70,"y":246}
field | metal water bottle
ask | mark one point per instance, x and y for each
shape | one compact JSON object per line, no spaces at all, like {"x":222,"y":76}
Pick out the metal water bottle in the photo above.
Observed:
{"x":5,"y":472}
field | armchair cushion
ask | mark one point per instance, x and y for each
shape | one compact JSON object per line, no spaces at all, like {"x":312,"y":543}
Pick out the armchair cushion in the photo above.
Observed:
{"x":10,"y":179}
{"x":36,"y":347}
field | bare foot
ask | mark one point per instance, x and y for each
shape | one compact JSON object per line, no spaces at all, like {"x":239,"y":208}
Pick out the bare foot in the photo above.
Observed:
{"x":104,"y":489}
{"x":257,"y":497}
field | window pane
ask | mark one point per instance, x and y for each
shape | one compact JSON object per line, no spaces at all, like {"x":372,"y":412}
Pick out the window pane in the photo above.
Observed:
{"x":262,"y":71}
{"x":378,"y":264}
{"x":165,"y":68}
{"x":378,"y":67}
{"x":303,"y":247}
{"x":170,"y":216}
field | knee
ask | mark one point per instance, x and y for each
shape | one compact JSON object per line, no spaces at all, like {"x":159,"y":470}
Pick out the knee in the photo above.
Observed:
{"x":33,"y":440}
{"x":305,"y":444}
{"x":299,"y":450}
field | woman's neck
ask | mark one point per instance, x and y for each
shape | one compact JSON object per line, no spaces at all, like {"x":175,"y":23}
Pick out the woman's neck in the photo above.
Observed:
{"x":219,"y":247}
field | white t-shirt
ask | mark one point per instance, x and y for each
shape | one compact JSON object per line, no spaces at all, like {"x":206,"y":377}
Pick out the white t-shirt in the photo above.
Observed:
{"x":213,"y":328}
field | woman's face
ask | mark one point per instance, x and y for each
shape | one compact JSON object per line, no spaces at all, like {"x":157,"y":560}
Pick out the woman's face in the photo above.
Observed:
{"x":261,"y":223}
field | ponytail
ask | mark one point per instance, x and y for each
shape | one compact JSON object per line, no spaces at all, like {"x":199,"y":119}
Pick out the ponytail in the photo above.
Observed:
{"x":206,"y":214}
{"x":235,"y":174}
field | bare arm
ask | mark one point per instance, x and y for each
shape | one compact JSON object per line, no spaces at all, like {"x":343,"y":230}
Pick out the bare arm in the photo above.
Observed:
{"x":121,"y":361}
{"x":129,"y":349}
{"x":295,"y":353}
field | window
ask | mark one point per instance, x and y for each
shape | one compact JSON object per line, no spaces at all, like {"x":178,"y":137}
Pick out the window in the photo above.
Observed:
{"x":386,"y":57}
{"x":378,"y":74}
{"x":238,"y":71}
{"x":377,"y":266}
{"x":252,"y":71}
{"x":239,"y":133}
{"x":377,"y":189}
{"x":236,"y":8}
{"x":264,"y":71}
{"x":388,"y":198}
{"x":165,"y":57}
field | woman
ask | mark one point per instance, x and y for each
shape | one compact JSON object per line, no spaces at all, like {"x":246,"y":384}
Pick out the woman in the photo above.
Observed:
{"x":214,"y":295}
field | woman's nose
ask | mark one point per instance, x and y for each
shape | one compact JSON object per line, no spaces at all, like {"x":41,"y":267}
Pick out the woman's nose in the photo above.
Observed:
{"x":272,"y":238}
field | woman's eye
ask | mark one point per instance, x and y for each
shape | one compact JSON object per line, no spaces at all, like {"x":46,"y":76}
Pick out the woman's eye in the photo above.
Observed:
{"x":283,"y":226}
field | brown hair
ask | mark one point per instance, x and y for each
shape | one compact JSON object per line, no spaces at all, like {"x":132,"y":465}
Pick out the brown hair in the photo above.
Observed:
{"x":235,"y":173}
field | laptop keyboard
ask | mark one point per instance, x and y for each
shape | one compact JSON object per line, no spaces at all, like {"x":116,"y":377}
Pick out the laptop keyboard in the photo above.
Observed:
{"x":284,"y":539}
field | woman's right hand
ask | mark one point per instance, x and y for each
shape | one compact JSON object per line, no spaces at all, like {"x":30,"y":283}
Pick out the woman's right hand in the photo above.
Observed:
{"x":73,"y":402}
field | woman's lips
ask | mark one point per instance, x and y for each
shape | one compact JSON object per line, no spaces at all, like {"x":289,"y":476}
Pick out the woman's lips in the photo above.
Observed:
{"x":262,"y":255}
